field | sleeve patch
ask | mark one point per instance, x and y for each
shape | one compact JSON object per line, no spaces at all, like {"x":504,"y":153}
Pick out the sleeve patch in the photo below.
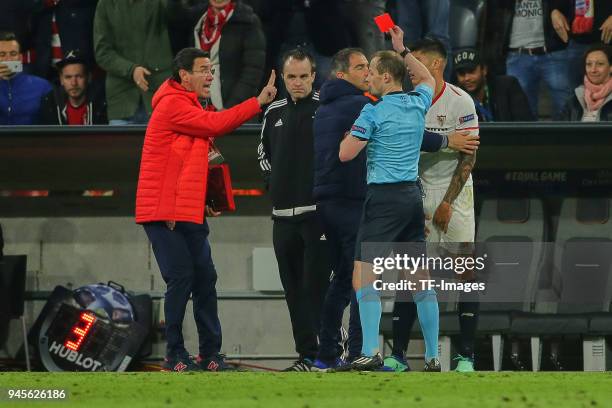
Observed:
{"x":467,"y":118}
{"x":358,"y":129}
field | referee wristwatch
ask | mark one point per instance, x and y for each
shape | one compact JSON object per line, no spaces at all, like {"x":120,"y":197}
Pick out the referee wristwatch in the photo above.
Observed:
{"x":405,"y":52}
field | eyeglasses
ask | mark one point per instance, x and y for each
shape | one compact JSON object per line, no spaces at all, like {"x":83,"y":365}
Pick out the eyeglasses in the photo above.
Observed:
{"x":205,"y":71}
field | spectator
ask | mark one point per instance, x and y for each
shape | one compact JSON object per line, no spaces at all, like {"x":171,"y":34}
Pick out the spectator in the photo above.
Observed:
{"x":231,"y":32}
{"x":580,"y":24}
{"x":358,"y":17}
{"x":498,"y":98}
{"x":314,"y":25}
{"x":592,"y":101}
{"x":73,"y":102}
{"x":520,"y":33}
{"x":131,"y":43}
{"x":425,"y":18}
{"x":20,"y":93}
{"x":61,"y":26}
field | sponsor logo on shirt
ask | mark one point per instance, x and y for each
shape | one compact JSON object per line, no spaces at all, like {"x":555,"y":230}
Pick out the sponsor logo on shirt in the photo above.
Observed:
{"x":278,"y":123}
{"x":358,"y":129}
{"x":466,"y":119}
{"x":441,"y":119}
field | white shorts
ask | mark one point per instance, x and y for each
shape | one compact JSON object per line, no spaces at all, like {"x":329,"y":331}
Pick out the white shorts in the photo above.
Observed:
{"x":462,"y":226}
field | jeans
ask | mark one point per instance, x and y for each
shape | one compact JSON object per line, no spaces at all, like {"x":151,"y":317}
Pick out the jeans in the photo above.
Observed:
{"x":340,"y":222}
{"x":530,"y":70}
{"x":185,"y":261}
{"x":140,"y":117}
{"x":575,"y":57}
{"x":426,"y":18}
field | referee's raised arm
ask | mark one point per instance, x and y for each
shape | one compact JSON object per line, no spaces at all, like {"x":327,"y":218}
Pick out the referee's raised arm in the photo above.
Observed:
{"x":420,"y":73}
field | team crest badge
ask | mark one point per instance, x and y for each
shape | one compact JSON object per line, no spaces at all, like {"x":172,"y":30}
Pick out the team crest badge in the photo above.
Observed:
{"x":441,"y":119}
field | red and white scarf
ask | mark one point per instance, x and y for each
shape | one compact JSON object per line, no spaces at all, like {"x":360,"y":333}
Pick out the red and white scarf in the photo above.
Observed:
{"x":583,"y":20}
{"x":212,"y":25}
{"x":596,"y":95}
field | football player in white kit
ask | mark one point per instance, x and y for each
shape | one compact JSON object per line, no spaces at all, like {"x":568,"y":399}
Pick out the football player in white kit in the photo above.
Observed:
{"x":448,"y":203}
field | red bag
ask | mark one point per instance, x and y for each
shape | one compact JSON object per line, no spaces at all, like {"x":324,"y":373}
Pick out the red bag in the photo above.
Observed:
{"x":219,"y":194}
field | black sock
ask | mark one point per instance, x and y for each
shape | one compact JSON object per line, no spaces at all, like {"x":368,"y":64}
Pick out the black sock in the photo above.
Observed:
{"x":467,"y":309}
{"x":404,"y":315}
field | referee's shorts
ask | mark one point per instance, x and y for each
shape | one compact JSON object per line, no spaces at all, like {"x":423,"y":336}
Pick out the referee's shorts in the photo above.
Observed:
{"x":392,"y":213}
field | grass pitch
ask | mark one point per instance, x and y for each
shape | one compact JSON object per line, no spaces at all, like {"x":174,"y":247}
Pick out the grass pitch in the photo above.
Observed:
{"x":311,"y":390}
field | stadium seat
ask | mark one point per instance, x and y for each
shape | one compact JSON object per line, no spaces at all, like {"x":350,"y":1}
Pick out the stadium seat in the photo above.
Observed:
{"x":512,"y":232}
{"x":464,"y":22}
{"x":578,"y":303}
{"x":266,"y":277}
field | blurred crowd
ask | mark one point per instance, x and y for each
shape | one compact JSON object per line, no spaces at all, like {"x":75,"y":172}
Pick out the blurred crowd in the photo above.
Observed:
{"x":84,"y":62}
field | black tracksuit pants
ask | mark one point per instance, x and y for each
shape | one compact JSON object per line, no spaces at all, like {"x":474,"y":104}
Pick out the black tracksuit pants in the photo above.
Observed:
{"x":303,"y":264}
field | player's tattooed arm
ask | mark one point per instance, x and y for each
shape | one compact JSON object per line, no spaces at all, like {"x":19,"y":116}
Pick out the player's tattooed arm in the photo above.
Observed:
{"x":444,"y":212}
{"x":460,"y":176}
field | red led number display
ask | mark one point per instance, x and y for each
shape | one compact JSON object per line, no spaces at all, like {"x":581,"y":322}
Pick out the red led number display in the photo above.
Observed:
{"x":79,"y":331}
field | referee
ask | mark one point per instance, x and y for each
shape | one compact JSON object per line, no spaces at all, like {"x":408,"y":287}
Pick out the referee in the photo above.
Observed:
{"x":392,"y":129}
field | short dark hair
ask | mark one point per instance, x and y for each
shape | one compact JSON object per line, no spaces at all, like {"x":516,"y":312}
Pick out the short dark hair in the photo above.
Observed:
{"x":430,"y":45}
{"x":184,"y":59}
{"x":606,"y":49}
{"x":340,"y":62}
{"x":10,"y":36}
{"x":299,"y":54}
{"x":390,"y":62}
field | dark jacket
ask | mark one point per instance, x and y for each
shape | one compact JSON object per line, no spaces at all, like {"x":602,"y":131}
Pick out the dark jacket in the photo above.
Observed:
{"x":603,"y":9}
{"x":242,"y":51}
{"x":127,"y":34}
{"x":75,"y":24}
{"x":508,"y":102}
{"x":500,"y":14}
{"x":53,"y":109}
{"x":20,"y":99}
{"x":286,"y":152}
{"x":574,"y":108}
{"x":341,"y":103}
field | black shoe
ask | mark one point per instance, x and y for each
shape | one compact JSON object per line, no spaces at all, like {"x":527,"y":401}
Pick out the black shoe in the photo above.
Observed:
{"x":516,"y":361}
{"x":301,"y":365}
{"x":214,"y":363}
{"x":180,"y":363}
{"x":554,"y":359}
{"x":433,"y":366}
{"x":364,"y":363}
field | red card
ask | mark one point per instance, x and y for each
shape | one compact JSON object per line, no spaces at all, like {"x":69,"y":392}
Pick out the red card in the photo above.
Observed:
{"x":384,"y":22}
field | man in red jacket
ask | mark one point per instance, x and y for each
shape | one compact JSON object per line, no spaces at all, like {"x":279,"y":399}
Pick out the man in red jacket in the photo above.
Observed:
{"x":171,"y":195}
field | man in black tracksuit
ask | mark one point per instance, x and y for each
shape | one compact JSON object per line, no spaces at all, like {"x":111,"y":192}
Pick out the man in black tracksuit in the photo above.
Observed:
{"x":286,"y":158}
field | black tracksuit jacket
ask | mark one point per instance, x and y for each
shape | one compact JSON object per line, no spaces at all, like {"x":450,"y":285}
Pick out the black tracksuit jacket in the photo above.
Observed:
{"x":286,"y":152}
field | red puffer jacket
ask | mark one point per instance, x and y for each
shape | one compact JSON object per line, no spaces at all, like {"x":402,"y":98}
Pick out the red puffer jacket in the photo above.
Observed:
{"x":174,"y":165}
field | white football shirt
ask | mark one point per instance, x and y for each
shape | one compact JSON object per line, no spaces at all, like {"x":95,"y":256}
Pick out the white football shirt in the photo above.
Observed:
{"x":453,"y":109}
